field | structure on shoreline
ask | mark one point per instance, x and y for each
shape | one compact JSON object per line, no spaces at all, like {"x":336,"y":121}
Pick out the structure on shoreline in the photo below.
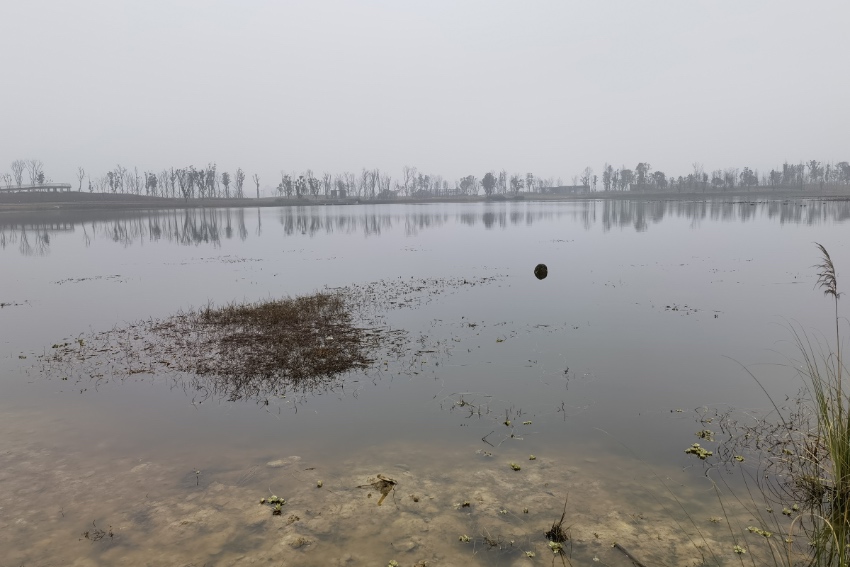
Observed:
{"x":40,"y":188}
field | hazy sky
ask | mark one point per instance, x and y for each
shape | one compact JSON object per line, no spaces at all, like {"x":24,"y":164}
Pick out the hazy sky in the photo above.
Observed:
{"x":452,"y":87}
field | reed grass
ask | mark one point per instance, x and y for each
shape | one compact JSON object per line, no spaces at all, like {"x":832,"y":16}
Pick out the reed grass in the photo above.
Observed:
{"x":820,"y":466}
{"x":805,"y":455}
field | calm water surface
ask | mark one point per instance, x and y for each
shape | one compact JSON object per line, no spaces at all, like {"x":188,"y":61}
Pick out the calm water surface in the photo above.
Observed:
{"x":649,"y":308}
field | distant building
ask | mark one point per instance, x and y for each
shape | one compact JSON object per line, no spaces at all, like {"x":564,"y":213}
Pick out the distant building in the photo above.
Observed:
{"x":647,"y":188}
{"x":566,"y":190}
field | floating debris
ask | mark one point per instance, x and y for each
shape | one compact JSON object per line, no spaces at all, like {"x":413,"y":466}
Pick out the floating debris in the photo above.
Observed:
{"x":532,"y":458}
{"x":97,"y":534}
{"x":541,"y":271}
{"x":383,"y":484}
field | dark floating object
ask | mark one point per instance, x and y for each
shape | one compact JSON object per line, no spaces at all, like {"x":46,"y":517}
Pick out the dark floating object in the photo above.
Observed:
{"x":541,"y":271}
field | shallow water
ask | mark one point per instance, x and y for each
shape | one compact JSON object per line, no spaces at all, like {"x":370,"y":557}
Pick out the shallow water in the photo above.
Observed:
{"x":649,"y":308}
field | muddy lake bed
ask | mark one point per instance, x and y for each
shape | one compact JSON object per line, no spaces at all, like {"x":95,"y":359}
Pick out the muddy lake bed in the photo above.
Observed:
{"x":604,"y":371}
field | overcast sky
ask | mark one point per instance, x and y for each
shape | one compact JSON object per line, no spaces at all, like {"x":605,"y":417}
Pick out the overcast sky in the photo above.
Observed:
{"x":451,"y":87}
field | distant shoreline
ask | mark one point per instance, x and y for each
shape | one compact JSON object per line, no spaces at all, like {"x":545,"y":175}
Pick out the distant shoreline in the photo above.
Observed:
{"x":11,"y":202}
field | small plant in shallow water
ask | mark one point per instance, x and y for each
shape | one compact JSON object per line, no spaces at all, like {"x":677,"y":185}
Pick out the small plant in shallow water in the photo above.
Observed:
{"x":706,"y":434}
{"x":515,"y":466}
{"x":276,"y":503}
{"x":739,"y":550}
{"x":532,"y":458}
{"x":759,"y":531}
{"x":465,"y":538}
{"x":526,"y":422}
{"x":392,"y":563}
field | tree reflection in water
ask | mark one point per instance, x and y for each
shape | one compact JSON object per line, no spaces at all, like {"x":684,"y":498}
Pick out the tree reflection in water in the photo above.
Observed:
{"x":31,"y":232}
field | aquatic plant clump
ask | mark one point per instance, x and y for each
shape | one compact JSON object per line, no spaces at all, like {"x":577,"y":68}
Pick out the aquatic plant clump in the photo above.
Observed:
{"x":700,"y":452}
{"x":257,"y":350}
{"x":237,"y":351}
{"x":297,"y":339}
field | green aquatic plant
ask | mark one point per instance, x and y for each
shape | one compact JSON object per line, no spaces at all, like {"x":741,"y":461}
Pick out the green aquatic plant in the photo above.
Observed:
{"x":759,"y":531}
{"x":515,"y":466}
{"x":706,"y":434}
{"x":532,"y":458}
{"x":695,"y":449}
{"x":526,"y":422}
{"x":465,"y":538}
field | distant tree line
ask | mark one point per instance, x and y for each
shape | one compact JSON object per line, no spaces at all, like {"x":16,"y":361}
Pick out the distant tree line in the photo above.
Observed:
{"x":207,"y":182}
{"x":788,"y":175}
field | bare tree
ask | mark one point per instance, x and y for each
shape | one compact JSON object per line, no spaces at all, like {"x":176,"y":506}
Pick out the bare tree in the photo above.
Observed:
{"x":384,"y":183}
{"x":516,"y":183}
{"x":239,"y":181}
{"x":34,"y":168}
{"x":350,"y":183}
{"x":409,"y":176}
{"x":586,"y":176}
{"x":256,"y":179}
{"x":211,"y":180}
{"x":327,"y":183}
{"x":18,"y":167}
{"x":163,"y":182}
{"x":225,"y":180}
{"x":80,"y":174}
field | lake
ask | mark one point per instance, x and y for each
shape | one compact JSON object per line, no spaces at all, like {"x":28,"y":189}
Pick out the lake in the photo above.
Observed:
{"x":603,"y":371}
